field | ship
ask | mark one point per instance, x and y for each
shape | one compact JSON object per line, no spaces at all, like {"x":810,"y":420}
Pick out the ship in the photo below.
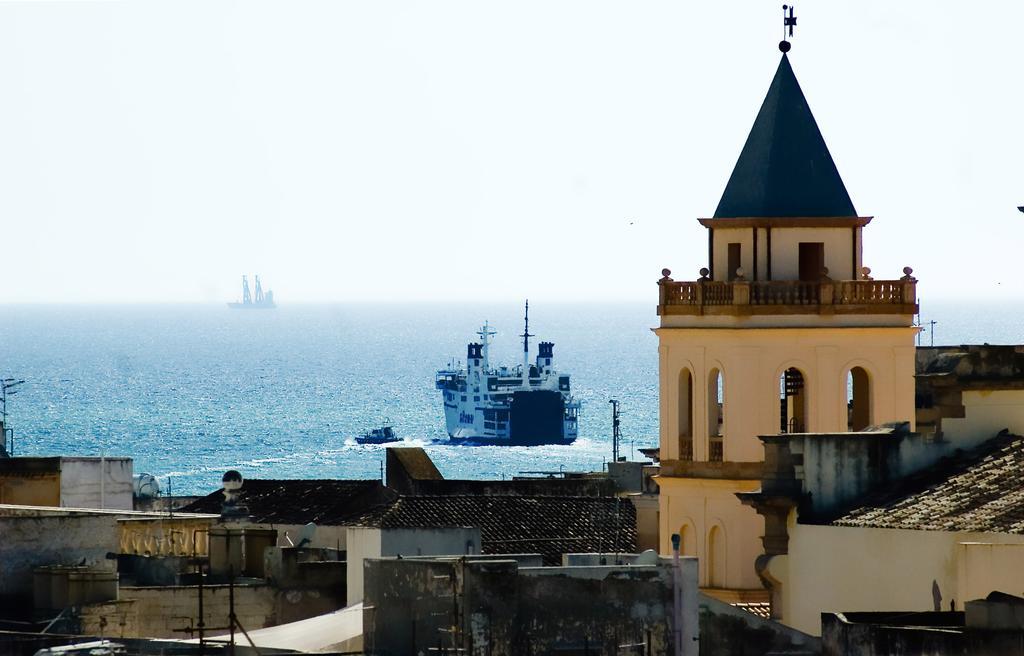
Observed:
{"x":526,"y":405}
{"x":383,"y":435}
{"x":260,"y":301}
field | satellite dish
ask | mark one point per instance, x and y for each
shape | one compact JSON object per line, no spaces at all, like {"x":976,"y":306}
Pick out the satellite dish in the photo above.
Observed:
{"x":648,"y":557}
{"x":306,"y":534}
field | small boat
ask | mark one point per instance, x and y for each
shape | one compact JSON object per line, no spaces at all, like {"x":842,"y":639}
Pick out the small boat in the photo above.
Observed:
{"x":383,"y":435}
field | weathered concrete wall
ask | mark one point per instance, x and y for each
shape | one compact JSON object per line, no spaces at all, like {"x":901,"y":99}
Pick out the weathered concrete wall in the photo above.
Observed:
{"x":325,"y":536}
{"x":163,"y":611}
{"x":29,"y":541}
{"x":841,"y":637}
{"x":31,"y":490}
{"x":500,"y":609}
{"x":96,"y":483}
{"x":726,"y":630}
{"x":366,"y":543}
{"x":841,"y":467}
{"x":160,"y":611}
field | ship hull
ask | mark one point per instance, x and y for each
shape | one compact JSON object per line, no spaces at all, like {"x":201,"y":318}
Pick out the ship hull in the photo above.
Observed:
{"x":535,"y":417}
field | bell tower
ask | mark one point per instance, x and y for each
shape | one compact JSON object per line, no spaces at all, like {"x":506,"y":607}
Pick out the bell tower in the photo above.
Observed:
{"x":785,"y":330}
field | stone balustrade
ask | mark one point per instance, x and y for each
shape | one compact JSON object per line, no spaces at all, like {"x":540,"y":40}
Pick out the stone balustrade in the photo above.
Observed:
{"x":166,"y":536}
{"x":826,"y":296}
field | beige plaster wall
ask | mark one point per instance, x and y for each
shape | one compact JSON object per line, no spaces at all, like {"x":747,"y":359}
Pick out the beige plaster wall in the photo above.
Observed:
{"x":720,"y":245}
{"x":838,"y":242}
{"x":838,"y":254}
{"x":986,"y":566}
{"x":692,"y":506}
{"x":837,"y":569}
{"x":752,"y":360}
{"x":987,"y":413}
{"x":34,"y":490}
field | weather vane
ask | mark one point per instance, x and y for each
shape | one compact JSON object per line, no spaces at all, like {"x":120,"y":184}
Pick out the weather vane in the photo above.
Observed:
{"x":788,"y":22}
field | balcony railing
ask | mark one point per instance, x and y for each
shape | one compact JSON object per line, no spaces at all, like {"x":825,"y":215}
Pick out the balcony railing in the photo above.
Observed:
{"x":741,"y":296}
{"x":716,"y":449}
{"x":685,"y":448}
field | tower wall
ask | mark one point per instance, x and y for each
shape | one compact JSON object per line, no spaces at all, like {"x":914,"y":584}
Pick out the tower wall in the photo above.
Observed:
{"x":752,"y":360}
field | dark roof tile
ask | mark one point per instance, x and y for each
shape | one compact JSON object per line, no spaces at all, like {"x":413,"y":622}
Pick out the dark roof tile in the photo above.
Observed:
{"x":978,"y":491}
{"x":326,"y":502}
{"x":550,"y":526}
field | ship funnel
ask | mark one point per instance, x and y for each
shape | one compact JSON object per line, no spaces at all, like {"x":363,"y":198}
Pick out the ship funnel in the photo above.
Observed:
{"x":544,"y":355}
{"x":474,"y":354}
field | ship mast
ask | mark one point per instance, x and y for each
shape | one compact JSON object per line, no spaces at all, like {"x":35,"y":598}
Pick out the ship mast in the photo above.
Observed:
{"x":485,"y":333}
{"x":246,"y":297}
{"x":526,"y":346}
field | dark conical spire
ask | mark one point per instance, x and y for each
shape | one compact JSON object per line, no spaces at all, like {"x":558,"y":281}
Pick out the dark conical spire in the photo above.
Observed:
{"x":785,"y":169}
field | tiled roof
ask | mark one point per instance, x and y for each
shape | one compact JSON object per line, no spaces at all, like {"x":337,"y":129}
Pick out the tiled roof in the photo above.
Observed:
{"x":550,"y":526}
{"x":327,"y":502}
{"x":979,"y":490}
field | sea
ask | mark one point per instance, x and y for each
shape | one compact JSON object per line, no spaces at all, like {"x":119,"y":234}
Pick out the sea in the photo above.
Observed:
{"x":190,"y":391}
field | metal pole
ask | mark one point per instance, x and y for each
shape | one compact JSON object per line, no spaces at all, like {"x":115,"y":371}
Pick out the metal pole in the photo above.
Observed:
{"x":231,"y":606}
{"x":677,"y":599}
{"x":202,"y":624}
{"x":615,"y":430}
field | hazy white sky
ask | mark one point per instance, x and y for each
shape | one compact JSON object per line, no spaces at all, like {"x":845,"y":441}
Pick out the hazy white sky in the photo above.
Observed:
{"x":376,"y":150}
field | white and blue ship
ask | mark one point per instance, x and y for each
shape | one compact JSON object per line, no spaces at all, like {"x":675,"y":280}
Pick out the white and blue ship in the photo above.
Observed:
{"x":526,"y":405}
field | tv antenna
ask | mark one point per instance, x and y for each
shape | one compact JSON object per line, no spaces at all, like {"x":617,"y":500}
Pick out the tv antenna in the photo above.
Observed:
{"x":616,"y":435}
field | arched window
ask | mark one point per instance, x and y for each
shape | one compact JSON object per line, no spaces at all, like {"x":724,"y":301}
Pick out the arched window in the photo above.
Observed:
{"x":685,"y":415}
{"x":792,"y":402}
{"x":858,"y":399}
{"x":716,"y":557}
{"x":687,"y":540}
{"x":716,"y":415}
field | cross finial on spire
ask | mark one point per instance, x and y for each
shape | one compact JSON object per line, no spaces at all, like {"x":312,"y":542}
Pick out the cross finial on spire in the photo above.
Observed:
{"x":788,"y":23}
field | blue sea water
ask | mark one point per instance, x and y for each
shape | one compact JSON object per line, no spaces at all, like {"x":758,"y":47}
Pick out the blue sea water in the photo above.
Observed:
{"x":190,"y":391}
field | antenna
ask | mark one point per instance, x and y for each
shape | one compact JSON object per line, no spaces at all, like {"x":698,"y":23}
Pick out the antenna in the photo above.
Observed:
{"x":788,"y":23}
{"x":486,"y":333}
{"x":526,"y":346}
{"x":615,"y":430}
{"x":526,"y":330}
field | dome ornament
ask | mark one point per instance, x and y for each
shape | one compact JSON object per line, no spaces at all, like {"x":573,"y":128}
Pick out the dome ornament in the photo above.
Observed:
{"x":788,"y":23}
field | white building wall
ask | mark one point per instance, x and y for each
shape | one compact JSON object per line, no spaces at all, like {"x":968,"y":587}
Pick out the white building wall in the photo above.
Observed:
{"x":96,"y":483}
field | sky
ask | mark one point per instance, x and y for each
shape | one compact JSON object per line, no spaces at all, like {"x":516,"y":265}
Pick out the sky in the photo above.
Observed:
{"x":399,"y":151}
